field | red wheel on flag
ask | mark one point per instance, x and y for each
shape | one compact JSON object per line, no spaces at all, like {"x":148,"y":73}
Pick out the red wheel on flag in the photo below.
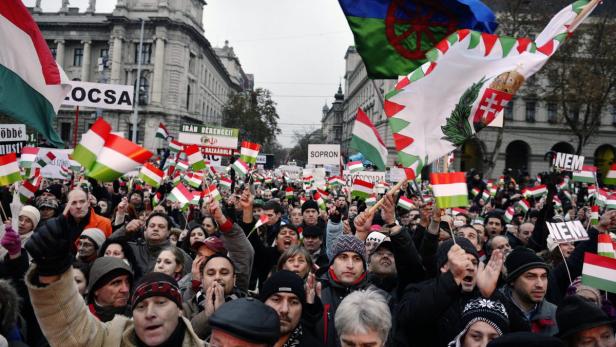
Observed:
{"x":407,"y":22}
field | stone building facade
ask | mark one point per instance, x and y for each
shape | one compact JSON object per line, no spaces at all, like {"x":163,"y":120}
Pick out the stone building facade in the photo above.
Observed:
{"x":183,"y":78}
{"x":331,"y":123}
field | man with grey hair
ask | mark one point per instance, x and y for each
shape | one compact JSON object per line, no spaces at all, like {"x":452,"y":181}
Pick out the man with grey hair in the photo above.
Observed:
{"x":363,"y":319}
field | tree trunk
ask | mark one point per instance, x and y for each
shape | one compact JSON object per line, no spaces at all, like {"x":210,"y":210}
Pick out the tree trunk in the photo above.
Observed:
{"x":580,"y":144}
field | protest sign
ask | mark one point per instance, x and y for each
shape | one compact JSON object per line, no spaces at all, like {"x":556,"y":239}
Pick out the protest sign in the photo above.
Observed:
{"x":368,"y":176}
{"x":567,"y":231}
{"x":99,"y":95}
{"x":323,"y":154}
{"x":569,"y":162}
{"x":13,"y":138}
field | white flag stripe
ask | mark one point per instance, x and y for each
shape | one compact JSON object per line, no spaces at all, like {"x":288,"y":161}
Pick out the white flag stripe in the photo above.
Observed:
{"x":116,"y":161}
{"x":150,"y":174}
{"x":599,"y":271}
{"x":451,"y":189}
{"x":363,"y":131}
{"x":92,"y":141}
{"x":19,"y":55}
{"x":358,"y":187}
{"x":249,"y":152}
{"x":9,"y":168}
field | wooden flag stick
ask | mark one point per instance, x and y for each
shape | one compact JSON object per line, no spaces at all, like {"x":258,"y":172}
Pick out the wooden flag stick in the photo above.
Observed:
{"x":394,"y":189}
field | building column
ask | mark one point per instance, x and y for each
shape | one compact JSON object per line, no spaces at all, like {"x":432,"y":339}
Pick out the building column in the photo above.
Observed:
{"x":65,"y":5}
{"x":116,"y":60}
{"x":85,"y":63}
{"x":60,"y":52}
{"x":91,"y":6}
{"x":159,"y":70}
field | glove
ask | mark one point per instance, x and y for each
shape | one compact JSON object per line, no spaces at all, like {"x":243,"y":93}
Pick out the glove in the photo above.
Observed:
{"x":11,"y":241}
{"x":50,"y":247}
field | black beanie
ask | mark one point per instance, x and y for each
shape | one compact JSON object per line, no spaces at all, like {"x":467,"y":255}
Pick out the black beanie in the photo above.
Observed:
{"x":156,"y":284}
{"x":443,"y":249}
{"x":520,"y":260}
{"x":310,"y":204}
{"x":283,"y":281}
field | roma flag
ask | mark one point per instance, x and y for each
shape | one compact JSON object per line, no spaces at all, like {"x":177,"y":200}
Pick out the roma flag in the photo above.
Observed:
{"x":449,"y":189}
{"x":393,"y":36}
{"x":32,"y":85}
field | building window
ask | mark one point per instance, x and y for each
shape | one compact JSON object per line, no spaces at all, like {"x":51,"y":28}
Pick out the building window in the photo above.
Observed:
{"x":552,"y":112}
{"x":54,"y":50}
{"x":130,"y":133}
{"x":192,"y":60}
{"x":146,"y":53}
{"x":531,"y":109}
{"x":614,"y":115}
{"x":65,"y":132}
{"x":104,"y":53}
{"x":78,"y":57}
{"x":188,"y":98}
{"x":508,"y":112}
{"x":144,"y":89}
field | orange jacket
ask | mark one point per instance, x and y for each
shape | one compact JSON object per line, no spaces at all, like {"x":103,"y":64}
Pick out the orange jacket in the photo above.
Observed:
{"x":99,"y":222}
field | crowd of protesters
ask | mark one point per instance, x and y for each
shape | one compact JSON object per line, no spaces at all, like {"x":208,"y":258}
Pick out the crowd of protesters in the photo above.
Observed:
{"x":103,"y":264}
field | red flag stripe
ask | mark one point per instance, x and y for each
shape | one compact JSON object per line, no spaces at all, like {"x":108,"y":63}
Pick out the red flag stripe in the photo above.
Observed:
{"x":359,"y":182}
{"x":363,"y":118}
{"x":127,"y":148}
{"x":154,"y":169}
{"x":192,"y":149}
{"x":594,"y":259}
{"x":101,"y":128}
{"x":447,"y":178}
{"x":17,"y":13}
{"x":250,"y":145}
{"x":7,"y":159}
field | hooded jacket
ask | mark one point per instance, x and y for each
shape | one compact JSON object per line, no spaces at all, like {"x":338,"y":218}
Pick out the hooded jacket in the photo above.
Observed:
{"x":332,"y":294}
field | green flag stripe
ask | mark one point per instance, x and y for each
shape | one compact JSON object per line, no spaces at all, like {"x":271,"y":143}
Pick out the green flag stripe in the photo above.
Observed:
{"x":103,"y":173}
{"x":392,"y":93}
{"x":359,"y":194}
{"x":10,"y":179}
{"x":369,"y":151}
{"x":149,"y":181}
{"x":507,"y":44}
{"x":475,"y":39}
{"x":397,"y":124}
{"x":23,"y":103}
{"x":599,"y":283}
{"x":451,"y":201}
{"x":84,"y":157}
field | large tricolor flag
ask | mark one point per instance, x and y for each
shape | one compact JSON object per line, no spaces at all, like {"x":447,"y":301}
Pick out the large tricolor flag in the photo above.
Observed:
{"x":9,"y":169}
{"x":367,"y":141}
{"x":599,"y":272}
{"x":586,"y":175}
{"x":610,"y":176}
{"x":162,"y":132}
{"x":32,"y":84}
{"x":466,"y":83}
{"x":151,"y":175}
{"x":249,"y":152}
{"x":107,"y":156}
{"x":449,"y":189}
{"x":392,"y":36}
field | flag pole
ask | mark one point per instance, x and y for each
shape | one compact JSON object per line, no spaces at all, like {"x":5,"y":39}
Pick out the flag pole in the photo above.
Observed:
{"x":394,"y":189}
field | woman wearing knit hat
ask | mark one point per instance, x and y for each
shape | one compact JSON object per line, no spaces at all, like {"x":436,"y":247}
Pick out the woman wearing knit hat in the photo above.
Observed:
{"x":29,"y":218}
{"x":484,"y":320}
{"x":89,"y":243}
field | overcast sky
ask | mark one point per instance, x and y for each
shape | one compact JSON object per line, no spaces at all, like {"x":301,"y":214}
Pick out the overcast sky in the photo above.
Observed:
{"x":294,"y":48}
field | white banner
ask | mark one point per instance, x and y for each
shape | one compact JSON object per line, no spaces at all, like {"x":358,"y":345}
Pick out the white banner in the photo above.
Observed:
{"x":208,"y":135}
{"x":261,"y":159}
{"x":99,"y":95}
{"x":396,"y":174}
{"x":323,"y":154}
{"x":368,"y":176}
{"x":13,"y":132}
{"x":567,"y":231}
{"x":53,"y":169}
